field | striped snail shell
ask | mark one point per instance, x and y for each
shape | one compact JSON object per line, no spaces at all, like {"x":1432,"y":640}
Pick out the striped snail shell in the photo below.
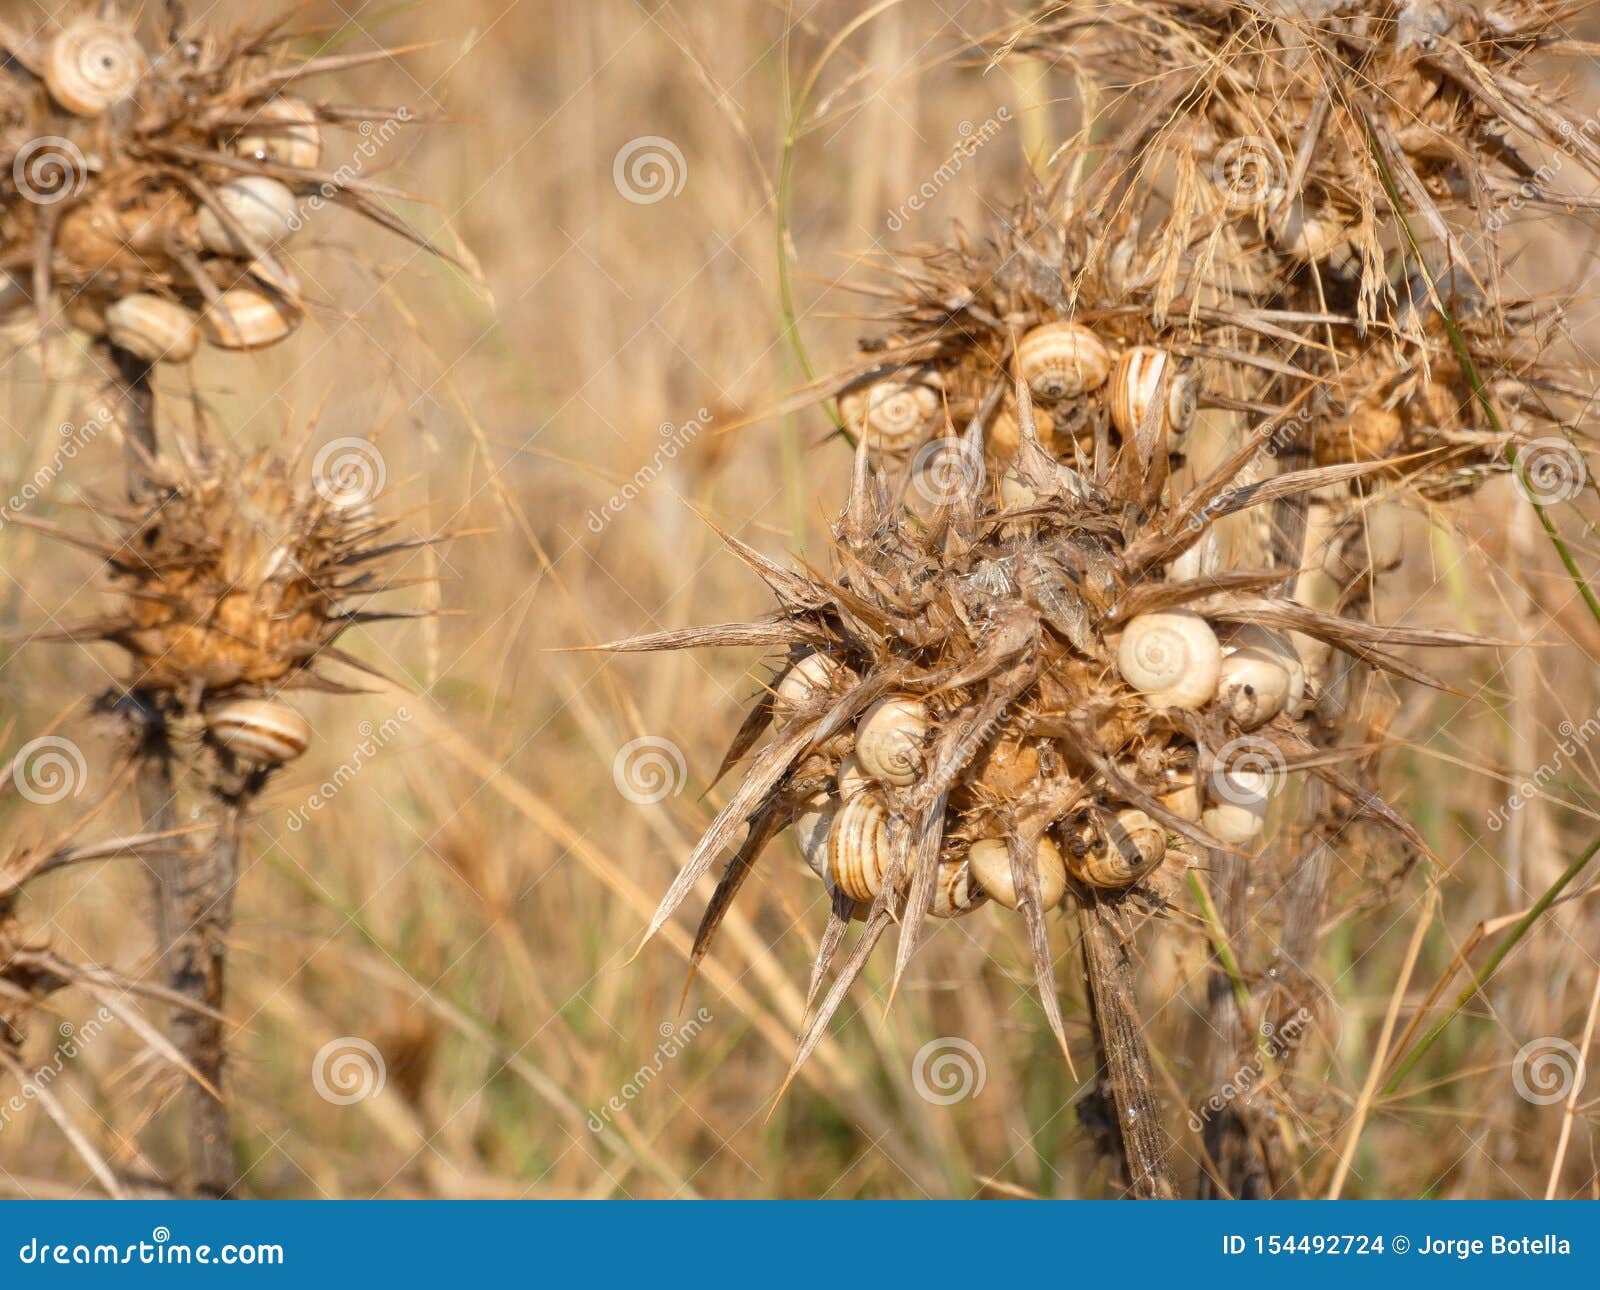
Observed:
{"x":891,"y":414}
{"x":283,"y":130}
{"x":954,"y":893}
{"x":811,"y":828}
{"x":858,"y":846}
{"x":263,"y":207}
{"x":990,"y":864}
{"x":1062,"y":360}
{"x":264,"y":731}
{"x":802,"y":684}
{"x":153,"y":328}
{"x":91,"y":65}
{"x":889,"y":741}
{"x":1253,"y":687}
{"x":1133,"y":845}
{"x":1136,"y":382}
{"x":253,"y":319}
{"x":1173,"y":658}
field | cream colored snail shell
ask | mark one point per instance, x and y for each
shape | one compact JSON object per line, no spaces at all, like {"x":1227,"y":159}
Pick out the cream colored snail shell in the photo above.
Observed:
{"x":1062,"y":360}
{"x":284,"y":131}
{"x":1253,"y":687}
{"x":91,"y":65}
{"x":858,"y":847}
{"x":811,"y":828}
{"x":1183,"y":800}
{"x":1134,"y":845}
{"x":1135,"y":382}
{"x":891,"y":414}
{"x":801,"y":685}
{"x":153,"y":328}
{"x":264,"y":731}
{"x":954,"y":892}
{"x":1369,"y":539}
{"x":1238,"y":814}
{"x":889,"y":741}
{"x":851,"y":778}
{"x":990,"y":864}
{"x":263,"y":207}
{"x":253,"y":319}
{"x":1173,"y":658}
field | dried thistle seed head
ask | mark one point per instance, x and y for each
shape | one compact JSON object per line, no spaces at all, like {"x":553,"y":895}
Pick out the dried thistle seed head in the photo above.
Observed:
{"x":174,"y":168}
{"x":236,"y":579}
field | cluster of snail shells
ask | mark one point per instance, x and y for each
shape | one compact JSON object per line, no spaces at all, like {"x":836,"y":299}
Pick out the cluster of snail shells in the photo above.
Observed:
{"x":894,"y":413}
{"x":1066,"y":360}
{"x":262,"y":732}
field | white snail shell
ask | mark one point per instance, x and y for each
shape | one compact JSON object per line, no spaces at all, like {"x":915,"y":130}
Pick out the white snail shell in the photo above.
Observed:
{"x":284,"y":131}
{"x":858,"y":847}
{"x":891,"y":414}
{"x":91,"y":65}
{"x":954,"y":893}
{"x":1253,"y":687}
{"x":254,"y":319}
{"x":263,"y":207}
{"x":852,"y":779}
{"x":1308,"y":237}
{"x":889,"y":741}
{"x":990,"y":864}
{"x":1135,"y":382}
{"x":1173,"y":658}
{"x":153,"y":328}
{"x":1238,"y":813}
{"x":802,"y":684}
{"x":811,"y":829}
{"x":1134,"y":845}
{"x":1370,"y":539}
{"x":1062,"y":360}
{"x":265,"y":731}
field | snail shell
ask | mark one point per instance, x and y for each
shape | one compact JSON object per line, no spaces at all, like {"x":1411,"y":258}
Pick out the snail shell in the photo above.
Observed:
{"x":1253,"y":687}
{"x":264,"y":731}
{"x":263,"y":207}
{"x":91,"y":65}
{"x":253,"y":319}
{"x":1004,"y":436}
{"x":1183,"y":800}
{"x":1239,"y":812}
{"x":1173,"y":658}
{"x":858,"y":846}
{"x":284,"y":131}
{"x":955,"y":893}
{"x":852,"y":779}
{"x":153,"y":328}
{"x":1134,"y":845}
{"x":891,"y":414}
{"x":990,"y":866}
{"x":1308,"y":237}
{"x":1369,"y":540}
{"x":889,"y":741}
{"x":811,"y":829}
{"x":1135,"y":383}
{"x":1370,"y":432}
{"x":1062,"y":360}
{"x":802,"y":684}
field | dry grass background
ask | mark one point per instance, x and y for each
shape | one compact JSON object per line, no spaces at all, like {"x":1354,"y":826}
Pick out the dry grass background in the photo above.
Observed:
{"x":468,"y":901}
